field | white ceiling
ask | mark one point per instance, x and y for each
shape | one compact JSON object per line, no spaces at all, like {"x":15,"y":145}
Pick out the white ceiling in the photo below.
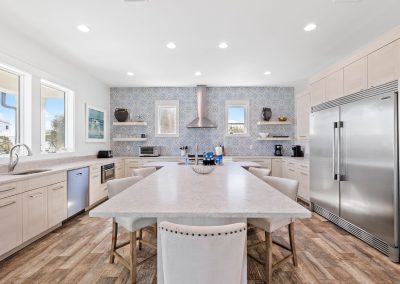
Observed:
{"x":262,"y":35}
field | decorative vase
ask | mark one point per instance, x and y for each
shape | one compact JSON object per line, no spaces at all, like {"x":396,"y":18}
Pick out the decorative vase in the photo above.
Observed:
{"x":121,"y":114}
{"x":266,"y":113}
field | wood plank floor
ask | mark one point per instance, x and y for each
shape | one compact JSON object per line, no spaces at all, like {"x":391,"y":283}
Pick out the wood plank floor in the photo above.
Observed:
{"x":78,"y":253}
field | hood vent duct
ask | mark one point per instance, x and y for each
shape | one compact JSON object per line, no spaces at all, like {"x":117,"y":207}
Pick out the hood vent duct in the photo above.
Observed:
{"x":202,"y":120}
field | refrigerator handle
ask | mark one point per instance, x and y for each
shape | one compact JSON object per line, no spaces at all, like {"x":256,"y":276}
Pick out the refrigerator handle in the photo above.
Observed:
{"x":335,"y":126}
{"x":339,"y":158}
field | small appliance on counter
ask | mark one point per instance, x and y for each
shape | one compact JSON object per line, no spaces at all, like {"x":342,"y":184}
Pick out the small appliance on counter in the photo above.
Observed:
{"x":208,"y":159}
{"x":297,"y":152}
{"x":105,"y":154}
{"x":149,"y":151}
{"x":278,"y":150}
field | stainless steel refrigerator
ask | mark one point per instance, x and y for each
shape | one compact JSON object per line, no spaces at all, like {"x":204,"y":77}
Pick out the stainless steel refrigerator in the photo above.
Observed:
{"x":354,"y":165}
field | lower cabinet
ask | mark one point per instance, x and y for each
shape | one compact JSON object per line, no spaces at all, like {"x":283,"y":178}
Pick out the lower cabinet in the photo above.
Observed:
{"x":34,"y":212}
{"x":119,"y":169}
{"x":298,"y":170}
{"x":57,"y":202}
{"x":10,"y":223}
{"x":95,"y":185}
{"x":276,"y":167}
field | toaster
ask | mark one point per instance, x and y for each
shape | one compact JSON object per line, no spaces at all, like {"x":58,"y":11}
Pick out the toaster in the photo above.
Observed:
{"x":105,"y":154}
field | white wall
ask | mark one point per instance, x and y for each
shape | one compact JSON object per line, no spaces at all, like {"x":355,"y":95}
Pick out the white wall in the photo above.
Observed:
{"x":26,"y":55}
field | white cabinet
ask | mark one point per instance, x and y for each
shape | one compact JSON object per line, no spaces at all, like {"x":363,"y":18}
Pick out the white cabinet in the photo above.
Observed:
{"x":276,"y":167}
{"x":298,"y":170}
{"x":303,"y":110}
{"x":382,"y":65}
{"x":56,"y":203}
{"x":355,"y":76}
{"x":397,"y":58}
{"x":95,"y":187}
{"x":34,"y":212}
{"x":119,"y":169}
{"x":263,"y":162}
{"x":334,"y":85}
{"x":304,"y":184}
{"x":131,"y":164}
{"x":10,"y":223}
{"x":317,"y":92}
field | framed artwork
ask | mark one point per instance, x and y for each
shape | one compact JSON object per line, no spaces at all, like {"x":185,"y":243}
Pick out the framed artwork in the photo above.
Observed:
{"x":167,"y":118}
{"x":95,"y":124}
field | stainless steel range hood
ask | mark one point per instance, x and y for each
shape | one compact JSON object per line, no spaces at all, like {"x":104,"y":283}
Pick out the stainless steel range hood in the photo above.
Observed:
{"x":202,"y":120}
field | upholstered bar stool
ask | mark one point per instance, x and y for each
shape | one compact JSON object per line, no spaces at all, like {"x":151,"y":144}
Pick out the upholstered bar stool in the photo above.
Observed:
{"x":260,"y":172}
{"x":133,"y":225}
{"x":144,"y":172}
{"x":288,"y":187}
{"x":202,"y":254}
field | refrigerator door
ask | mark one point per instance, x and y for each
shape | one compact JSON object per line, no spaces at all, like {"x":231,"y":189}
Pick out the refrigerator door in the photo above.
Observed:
{"x":324,"y":182}
{"x":368,"y":190}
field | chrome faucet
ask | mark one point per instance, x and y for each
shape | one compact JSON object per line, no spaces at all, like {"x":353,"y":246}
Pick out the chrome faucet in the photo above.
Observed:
{"x":196,"y":154}
{"x":12,"y":164}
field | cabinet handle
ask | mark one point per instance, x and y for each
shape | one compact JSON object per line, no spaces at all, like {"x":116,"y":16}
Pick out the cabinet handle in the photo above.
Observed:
{"x":8,"y":204}
{"x":95,"y":176}
{"x":291,"y":170}
{"x":57,"y":188}
{"x":304,"y":174}
{"x":35,"y":195}
{"x":78,"y":174}
{"x":303,"y":136}
{"x":8,"y":189}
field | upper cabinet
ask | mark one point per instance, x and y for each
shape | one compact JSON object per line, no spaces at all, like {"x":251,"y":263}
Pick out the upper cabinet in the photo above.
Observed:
{"x":334,"y":85}
{"x":382,"y":65}
{"x":355,"y":76}
{"x":317,"y":94}
{"x":303,"y":110}
{"x":397,"y":57}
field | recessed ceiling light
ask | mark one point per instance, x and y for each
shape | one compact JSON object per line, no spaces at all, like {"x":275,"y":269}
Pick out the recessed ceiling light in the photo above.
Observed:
{"x":130,"y":74}
{"x":223,"y":45}
{"x":83,"y":28}
{"x":198,"y":73}
{"x":310,"y":27}
{"x":171,"y":45}
{"x":267,"y":73}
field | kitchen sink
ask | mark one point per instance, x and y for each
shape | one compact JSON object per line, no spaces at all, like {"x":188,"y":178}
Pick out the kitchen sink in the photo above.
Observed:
{"x":27,"y":172}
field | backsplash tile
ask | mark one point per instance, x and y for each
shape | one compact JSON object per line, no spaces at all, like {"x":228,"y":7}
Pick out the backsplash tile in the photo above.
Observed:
{"x":141,"y":100}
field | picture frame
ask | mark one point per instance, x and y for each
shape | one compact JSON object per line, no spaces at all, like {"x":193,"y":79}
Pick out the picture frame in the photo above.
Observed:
{"x":96,"y":123}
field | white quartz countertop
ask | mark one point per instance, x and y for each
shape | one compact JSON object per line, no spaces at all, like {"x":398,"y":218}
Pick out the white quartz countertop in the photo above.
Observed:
{"x":176,"y":191}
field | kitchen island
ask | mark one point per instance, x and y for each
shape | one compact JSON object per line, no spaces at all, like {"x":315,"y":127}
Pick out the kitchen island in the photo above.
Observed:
{"x":175,"y":193}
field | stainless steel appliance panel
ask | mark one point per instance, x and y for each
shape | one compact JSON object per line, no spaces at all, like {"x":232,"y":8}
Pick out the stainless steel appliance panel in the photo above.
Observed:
{"x":368,"y":197}
{"x":107,"y":172}
{"x":324,"y":148}
{"x":78,"y":190}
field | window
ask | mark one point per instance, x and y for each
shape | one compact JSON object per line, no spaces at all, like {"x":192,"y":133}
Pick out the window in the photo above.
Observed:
{"x":56,"y":127}
{"x":9,"y":110}
{"x":237,"y":117}
{"x":167,"y":118}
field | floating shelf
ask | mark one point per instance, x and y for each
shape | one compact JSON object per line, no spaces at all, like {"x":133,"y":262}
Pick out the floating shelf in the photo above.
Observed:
{"x":129,"y":139}
{"x":275,"y":139}
{"x":132,"y":123}
{"x":274,"y":122}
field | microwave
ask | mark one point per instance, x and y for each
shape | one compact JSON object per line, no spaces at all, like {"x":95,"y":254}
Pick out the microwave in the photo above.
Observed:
{"x":149,"y":151}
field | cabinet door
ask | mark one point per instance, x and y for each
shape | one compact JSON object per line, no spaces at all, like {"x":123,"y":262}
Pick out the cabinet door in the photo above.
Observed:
{"x":276,"y":167}
{"x":304,"y":187}
{"x":94,"y":188}
{"x":317,"y":94}
{"x":284,"y":168}
{"x":355,"y":76}
{"x":34,"y":212}
{"x":265,"y":163}
{"x":303,"y":110}
{"x":10,"y":223}
{"x":131,"y":164}
{"x":382,"y":65}
{"x":334,"y":85}
{"x":57,"y":201}
{"x":119,"y":170}
{"x":397,"y":57}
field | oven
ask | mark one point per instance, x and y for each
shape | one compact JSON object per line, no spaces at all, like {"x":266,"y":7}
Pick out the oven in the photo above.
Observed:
{"x":107,"y":172}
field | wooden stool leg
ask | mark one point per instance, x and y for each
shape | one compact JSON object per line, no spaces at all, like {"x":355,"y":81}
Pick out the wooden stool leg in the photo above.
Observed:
{"x":132,"y":257}
{"x":292,"y":243}
{"x":268,"y":258}
{"x":140,"y":238}
{"x":114,"y":235}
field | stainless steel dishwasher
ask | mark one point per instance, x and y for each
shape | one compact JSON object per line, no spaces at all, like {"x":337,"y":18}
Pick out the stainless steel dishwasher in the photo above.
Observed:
{"x":78,"y":190}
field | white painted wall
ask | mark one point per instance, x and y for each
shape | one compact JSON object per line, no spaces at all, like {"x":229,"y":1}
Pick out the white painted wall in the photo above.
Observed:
{"x":26,"y":55}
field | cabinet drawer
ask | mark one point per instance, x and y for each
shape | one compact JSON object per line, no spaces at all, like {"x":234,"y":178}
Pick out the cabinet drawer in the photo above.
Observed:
{"x":10,"y":223}
{"x":47,"y":180}
{"x":94,"y":189}
{"x":34,"y":213}
{"x":9,"y":189}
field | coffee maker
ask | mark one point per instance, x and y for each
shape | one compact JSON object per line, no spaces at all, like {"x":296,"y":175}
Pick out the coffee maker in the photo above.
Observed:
{"x":278,"y":150}
{"x":297,"y":152}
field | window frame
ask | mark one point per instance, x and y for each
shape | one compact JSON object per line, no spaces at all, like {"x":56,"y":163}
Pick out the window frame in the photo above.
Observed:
{"x":69,"y":118}
{"x":166,"y":103}
{"x":238,"y":103}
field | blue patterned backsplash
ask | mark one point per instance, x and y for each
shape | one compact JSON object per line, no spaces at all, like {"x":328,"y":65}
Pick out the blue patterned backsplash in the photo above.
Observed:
{"x":141,"y":101}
